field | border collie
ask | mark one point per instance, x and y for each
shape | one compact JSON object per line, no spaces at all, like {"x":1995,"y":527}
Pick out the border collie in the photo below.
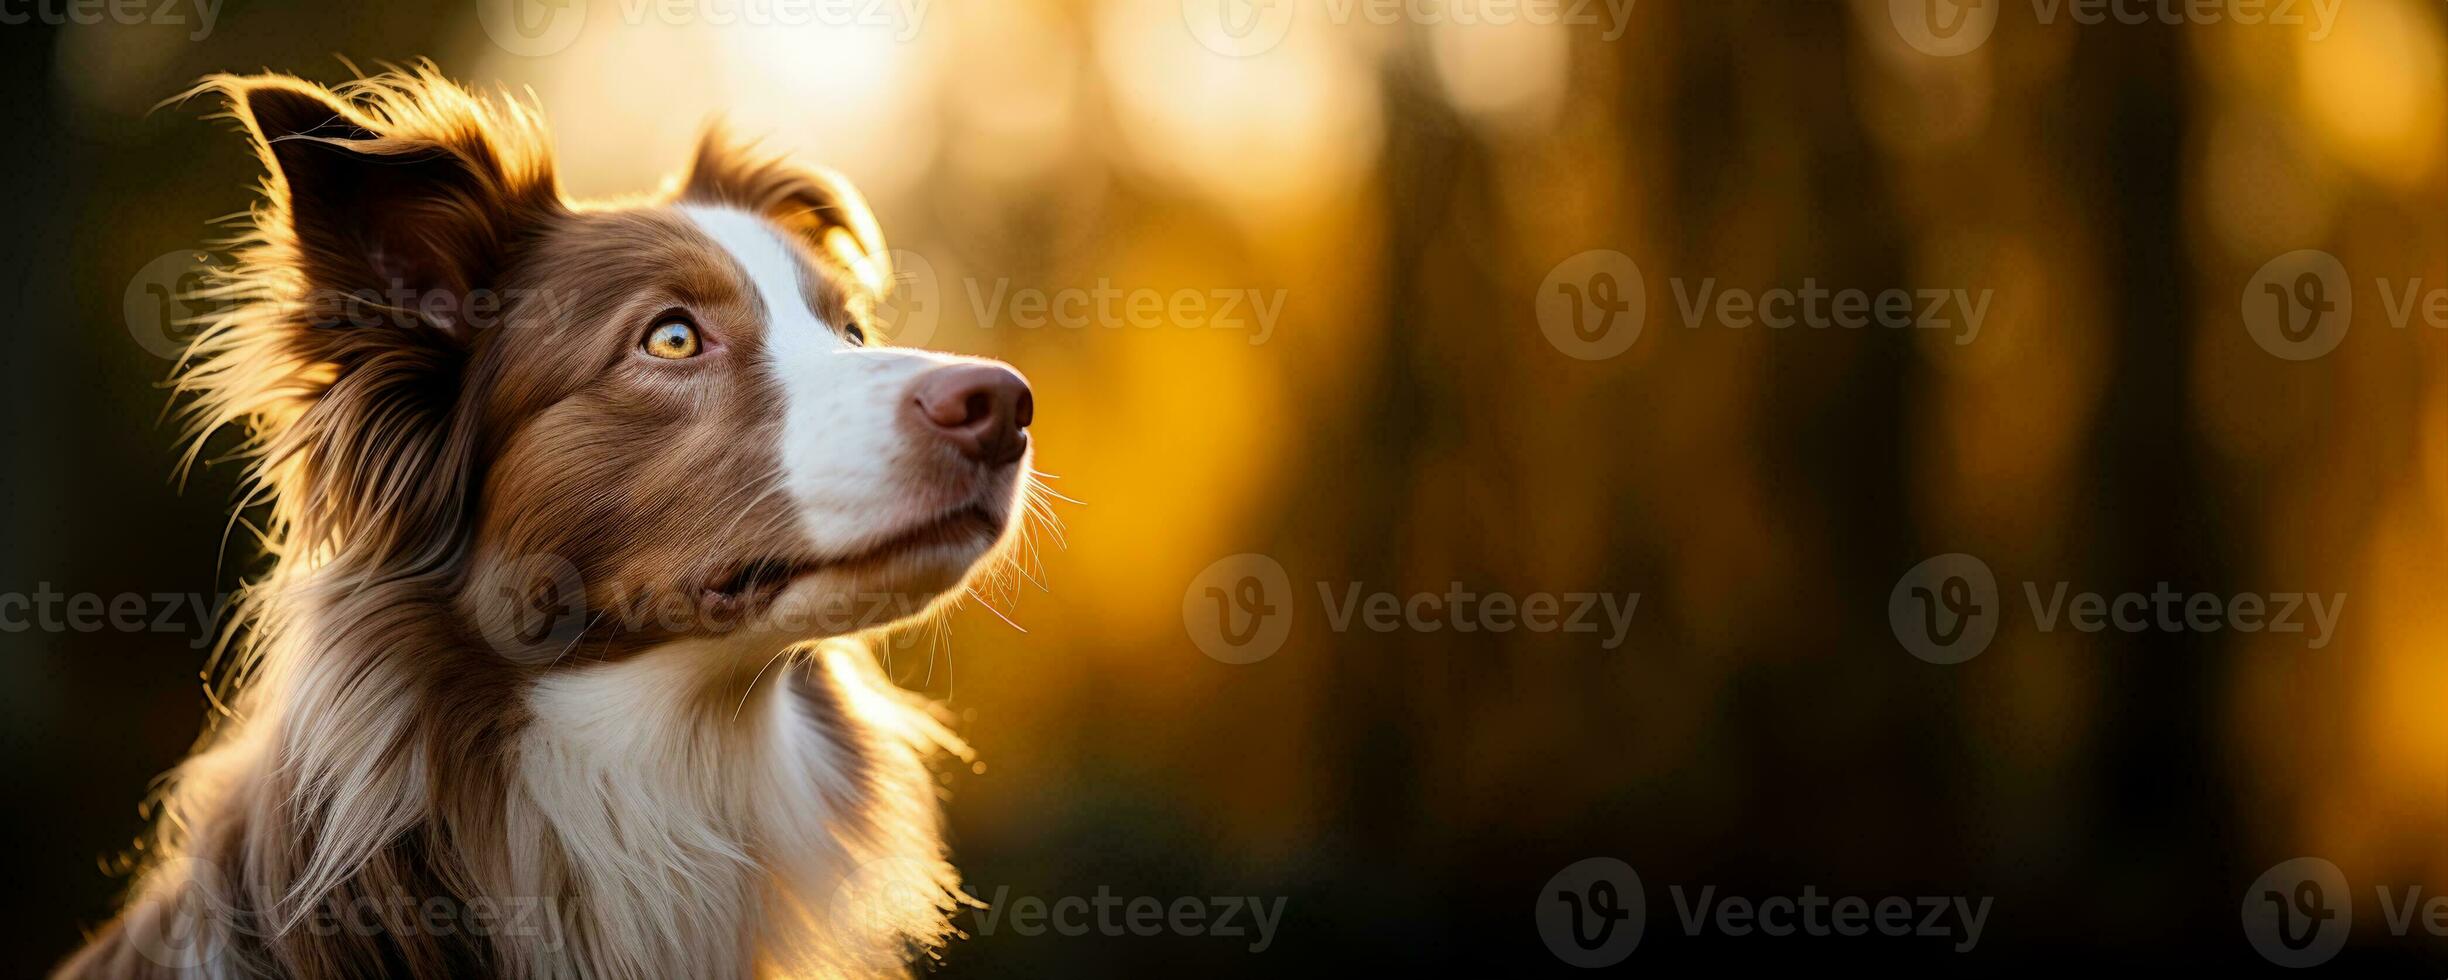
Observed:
{"x":472,"y":406}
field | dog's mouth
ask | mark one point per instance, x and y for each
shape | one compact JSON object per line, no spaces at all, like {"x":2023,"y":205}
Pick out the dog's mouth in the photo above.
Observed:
{"x":755,"y":582}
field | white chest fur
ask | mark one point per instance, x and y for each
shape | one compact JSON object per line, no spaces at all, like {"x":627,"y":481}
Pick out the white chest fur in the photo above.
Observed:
{"x":691,"y":819}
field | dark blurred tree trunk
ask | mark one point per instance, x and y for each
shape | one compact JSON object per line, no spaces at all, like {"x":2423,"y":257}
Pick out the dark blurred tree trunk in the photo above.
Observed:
{"x":2163,"y":783}
{"x":1437,"y":186}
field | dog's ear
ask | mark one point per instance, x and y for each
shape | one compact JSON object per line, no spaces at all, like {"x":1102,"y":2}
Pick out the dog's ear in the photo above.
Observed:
{"x":340,"y":354}
{"x":816,"y":205}
{"x":399,"y":210}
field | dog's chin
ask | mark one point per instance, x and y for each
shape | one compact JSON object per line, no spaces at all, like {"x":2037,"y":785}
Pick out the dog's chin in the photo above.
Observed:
{"x":899,"y":578}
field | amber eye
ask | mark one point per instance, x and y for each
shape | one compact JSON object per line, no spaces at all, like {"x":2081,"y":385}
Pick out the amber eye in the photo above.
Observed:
{"x":672,"y":340}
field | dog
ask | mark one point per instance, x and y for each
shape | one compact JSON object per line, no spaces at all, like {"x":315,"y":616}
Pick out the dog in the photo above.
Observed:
{"x":575,"y":514}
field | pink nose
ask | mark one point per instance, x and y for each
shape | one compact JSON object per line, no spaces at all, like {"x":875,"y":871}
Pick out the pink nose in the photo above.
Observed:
{"x":983,"y":410}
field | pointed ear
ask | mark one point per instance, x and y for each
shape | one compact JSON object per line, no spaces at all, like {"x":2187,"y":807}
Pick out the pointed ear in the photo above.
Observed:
{"x":816,"y":205}
{"x":387,"y":207}
{"x":399,"y":210}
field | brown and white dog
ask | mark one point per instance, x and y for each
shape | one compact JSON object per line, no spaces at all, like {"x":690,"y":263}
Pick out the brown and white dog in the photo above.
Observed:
{"x":469,"y":399}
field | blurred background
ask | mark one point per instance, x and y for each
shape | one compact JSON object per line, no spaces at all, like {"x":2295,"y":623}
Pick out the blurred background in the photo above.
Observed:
{"x":1403,"y":192}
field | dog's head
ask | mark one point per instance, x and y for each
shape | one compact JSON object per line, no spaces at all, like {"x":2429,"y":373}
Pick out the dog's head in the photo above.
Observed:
{"x":678,"y":409}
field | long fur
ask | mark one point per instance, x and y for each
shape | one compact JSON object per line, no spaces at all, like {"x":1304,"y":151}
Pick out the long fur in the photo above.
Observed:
{"x":371,"y":762}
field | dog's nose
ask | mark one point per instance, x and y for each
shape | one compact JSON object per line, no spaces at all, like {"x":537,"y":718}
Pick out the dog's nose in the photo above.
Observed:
{"x":982,"y":409}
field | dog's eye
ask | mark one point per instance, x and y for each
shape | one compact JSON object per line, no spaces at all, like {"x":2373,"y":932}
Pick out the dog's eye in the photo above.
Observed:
{"x":672,"y":340}
{"x":857,"y":337}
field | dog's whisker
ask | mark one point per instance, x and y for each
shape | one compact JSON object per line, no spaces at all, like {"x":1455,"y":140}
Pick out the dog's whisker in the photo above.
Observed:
{"x":990,"y":607}
{"x":760,"y":675}
{"x":1051,"y":492}
{"x":766,"y":485}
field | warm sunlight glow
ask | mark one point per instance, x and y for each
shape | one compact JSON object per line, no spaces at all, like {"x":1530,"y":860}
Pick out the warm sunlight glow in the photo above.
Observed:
{"x":628,"y":103}
{"x":2377,"y":91}
{"x":1509,"y":76}
{"x":1273,"y":132}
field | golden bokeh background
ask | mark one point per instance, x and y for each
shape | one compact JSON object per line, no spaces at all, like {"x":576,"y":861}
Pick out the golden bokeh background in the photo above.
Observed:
{"x":1403,"y":190}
